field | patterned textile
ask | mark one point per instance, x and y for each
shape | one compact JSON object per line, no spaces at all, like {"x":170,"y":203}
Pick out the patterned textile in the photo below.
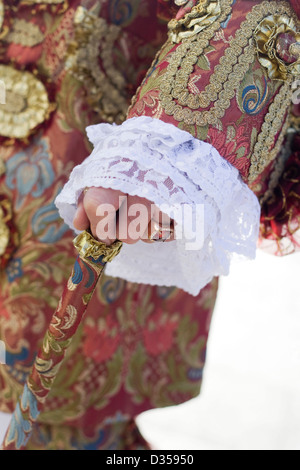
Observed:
{"x":214,"y":80}
{"x":73,"y":55}
{"x":225,"y":75}
{"x":228,"y":75}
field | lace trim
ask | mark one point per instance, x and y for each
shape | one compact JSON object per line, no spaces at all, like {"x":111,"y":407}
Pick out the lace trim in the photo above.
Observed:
{"x":155,"y":160}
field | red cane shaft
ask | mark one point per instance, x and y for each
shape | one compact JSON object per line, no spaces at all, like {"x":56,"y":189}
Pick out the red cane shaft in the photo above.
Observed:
{"x":72,"y":306}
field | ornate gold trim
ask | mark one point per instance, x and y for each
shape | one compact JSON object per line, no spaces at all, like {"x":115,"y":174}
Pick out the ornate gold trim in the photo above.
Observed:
{"x":266,"y":35}
{"x":24,"y":33}
{"x":27,"y":104}
{"x":184,"y":106}
{"x":105,"y":86}
{"x":276,"y":121}
{"x":199,"y":18}
{"x":88,"y":247}
{"x":211,"y":104}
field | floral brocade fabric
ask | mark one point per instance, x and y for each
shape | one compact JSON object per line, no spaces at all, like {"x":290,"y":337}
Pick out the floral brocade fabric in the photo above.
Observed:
{"x":226,"y":76}
{"x":139,"y":347}
{"x":229,"y":75}
{"x":67,"y":64}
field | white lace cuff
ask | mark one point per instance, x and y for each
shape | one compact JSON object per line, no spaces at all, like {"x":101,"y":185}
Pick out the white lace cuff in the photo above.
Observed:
{"x":217,"y":214}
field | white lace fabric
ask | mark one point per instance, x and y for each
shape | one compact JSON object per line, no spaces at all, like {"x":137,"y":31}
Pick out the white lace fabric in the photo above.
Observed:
{"x":149,"y":158}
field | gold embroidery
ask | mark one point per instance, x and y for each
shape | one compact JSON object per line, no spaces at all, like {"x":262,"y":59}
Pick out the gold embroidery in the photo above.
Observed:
{"x":241,"y":53}
{"x":91,"y":62}
{"x":266,"y":36}
{"x":276,"y":121}
{"x":24,"y":33}
{"x":26,"y":106}
{"x":199,"y":18}
{"x":295,"y":48}
{"x":215,"y":99}
{"x":88,"y":247}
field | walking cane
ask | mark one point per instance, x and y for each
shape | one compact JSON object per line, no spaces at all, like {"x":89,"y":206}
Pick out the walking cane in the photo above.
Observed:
{"x":92,"y":258}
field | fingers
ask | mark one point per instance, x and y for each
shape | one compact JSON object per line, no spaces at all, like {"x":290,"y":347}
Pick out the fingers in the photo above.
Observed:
{"x":81,"y":221}
{"x":101,"y":207}
{"x":112,"y":215}
{"x":133,"y":220}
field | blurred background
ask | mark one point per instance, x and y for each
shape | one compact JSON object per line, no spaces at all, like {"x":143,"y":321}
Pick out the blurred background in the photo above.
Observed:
{"x":250,"y":398}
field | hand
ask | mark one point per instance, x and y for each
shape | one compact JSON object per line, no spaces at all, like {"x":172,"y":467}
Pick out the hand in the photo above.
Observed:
{"x":112,"y":215}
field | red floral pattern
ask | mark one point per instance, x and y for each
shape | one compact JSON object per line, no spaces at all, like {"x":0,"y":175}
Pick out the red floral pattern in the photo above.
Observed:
{"x":233,"y":146}
{"x":115,"y":368}
{"x":154,"y":339}
{"x":159,"y":333}
{"x":105,"y":334}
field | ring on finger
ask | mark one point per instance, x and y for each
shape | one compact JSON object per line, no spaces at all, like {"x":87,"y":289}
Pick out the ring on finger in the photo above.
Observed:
{"x":160,"y":232}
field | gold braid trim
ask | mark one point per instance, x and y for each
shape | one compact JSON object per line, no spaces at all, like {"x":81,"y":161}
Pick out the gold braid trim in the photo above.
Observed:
{"x":266,"y":36}
{"x":215,"y":99}
{"x":25,"y":33}
{"x":200,"y":17}
{"x":26,"y":104}
{"x":241,"y":53}
{"x":277,"y":120}
{"x":105,"y":85}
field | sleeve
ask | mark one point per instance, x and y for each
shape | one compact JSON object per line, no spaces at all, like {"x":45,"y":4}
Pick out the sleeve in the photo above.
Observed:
{"x":201,"y":138}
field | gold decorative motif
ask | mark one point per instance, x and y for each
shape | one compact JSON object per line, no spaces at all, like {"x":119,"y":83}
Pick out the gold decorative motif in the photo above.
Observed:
{"x":295,"y":48}
{"x":199,"y":18}
{"x":267,"y":35}
{"x":90,"y":60}
{"x":277,"y":121}
{"x":175,"y":97}
{"x":25,"y":33}
{"x":210,"y":105}
{"x":26,"y":106}
{"x":88,"y":247}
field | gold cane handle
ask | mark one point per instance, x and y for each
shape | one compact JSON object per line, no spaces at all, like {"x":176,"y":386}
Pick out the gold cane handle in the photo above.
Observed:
{"x":88,"y":247}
